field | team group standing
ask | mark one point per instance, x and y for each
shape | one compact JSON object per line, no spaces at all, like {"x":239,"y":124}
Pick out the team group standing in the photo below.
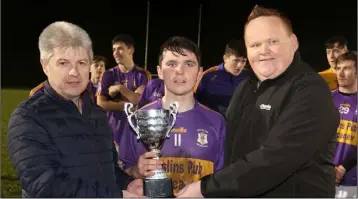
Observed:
{"x":262,"y":123}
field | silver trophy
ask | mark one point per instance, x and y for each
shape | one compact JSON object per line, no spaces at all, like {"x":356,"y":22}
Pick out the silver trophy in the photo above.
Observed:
{"x":153,"y":127}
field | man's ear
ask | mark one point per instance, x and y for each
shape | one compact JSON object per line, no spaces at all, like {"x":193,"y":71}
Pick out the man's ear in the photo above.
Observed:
{"x":131,"y":50}
{"x":224,"y":58}
{"x":44,"y":65}
{"x":160,"y":72}
{"x":294,"y":42}
{"x":200,"y":74}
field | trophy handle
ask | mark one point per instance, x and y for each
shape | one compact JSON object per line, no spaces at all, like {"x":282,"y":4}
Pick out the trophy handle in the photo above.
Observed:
{"x":173,"y":110}
{"x":130,"y":114}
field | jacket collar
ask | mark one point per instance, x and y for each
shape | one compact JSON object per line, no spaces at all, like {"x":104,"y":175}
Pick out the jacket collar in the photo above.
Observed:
{"x":69,"y":104}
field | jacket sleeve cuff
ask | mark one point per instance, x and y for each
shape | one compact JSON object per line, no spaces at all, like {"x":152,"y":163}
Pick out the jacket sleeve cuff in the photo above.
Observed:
{"x":128,"y":180}
{"x":204,"y":186}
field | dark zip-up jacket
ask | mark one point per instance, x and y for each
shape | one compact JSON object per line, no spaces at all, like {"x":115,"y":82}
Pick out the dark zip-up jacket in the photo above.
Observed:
{"x":281,"y":138}
{"x":59,"y":152}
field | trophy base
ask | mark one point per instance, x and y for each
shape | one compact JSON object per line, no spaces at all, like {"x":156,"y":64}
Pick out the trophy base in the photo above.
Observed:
{"x":158,"y":188}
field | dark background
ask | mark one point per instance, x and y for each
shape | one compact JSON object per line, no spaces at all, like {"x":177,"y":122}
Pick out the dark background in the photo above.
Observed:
{"x":23,"y":20}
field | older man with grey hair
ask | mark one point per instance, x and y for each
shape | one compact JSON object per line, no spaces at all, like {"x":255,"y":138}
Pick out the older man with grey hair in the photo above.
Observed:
{"x":59,"y":140}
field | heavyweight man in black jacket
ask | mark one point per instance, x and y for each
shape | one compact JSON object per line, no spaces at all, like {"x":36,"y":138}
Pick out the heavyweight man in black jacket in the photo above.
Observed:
{"x":59,"y":140}
{"x":281,"y":122}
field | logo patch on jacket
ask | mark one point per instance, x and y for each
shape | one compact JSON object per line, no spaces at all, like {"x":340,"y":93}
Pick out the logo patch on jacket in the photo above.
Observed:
{"x":265,"y":107}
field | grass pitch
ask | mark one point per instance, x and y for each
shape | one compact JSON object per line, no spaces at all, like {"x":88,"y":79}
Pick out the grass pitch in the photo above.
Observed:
{"x":10,"y":184}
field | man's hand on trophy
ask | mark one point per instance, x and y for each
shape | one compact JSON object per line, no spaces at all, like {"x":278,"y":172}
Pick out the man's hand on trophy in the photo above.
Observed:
{"x":134,"y":189}
{"x":192,"y":190}
{"x":146,"y":164}
{"x":340,"y":171}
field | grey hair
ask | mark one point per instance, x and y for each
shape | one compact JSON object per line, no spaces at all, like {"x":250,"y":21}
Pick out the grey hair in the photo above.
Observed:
{"x":63,"y":34}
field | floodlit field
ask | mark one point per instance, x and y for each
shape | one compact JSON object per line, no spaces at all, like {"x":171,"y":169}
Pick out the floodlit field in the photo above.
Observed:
{"x":10,"y":185}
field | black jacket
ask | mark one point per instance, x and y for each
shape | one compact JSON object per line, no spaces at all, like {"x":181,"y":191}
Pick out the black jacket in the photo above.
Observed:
{"x":57,"y":152}
{"x":281,"y":138}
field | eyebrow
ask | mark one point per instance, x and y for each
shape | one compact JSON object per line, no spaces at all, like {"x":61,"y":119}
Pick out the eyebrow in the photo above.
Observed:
{"x":185,"y":61}
{"x":62,"y":59}
{"x":345,"y":66}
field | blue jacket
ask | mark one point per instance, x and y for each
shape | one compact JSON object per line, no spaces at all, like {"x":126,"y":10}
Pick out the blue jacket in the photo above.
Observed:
{"x":58,"y":152}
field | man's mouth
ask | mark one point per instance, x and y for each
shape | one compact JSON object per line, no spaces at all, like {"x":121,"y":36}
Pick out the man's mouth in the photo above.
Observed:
{"x":75,"y":83}
{"x":179,"y":82}
{"x":267,"y":59}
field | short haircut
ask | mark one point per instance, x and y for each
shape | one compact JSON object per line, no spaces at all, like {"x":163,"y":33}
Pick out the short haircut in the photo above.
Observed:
{"x":236,"y":47}
{"x":98,"y":58}
{"x":62,"y":34}
{"x":339,"y":40}
{"x":125,"y":38}
{"x":347,"y":56}
{"x":178,"y":44}
{"x":260,"y":11}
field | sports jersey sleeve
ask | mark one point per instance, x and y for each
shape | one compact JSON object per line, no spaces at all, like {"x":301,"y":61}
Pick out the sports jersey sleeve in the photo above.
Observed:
{"x":221,"y":132}
{"x":144,"y":98}
{"x":199,"y":89}
{"x":146,"y":77}
{"x":106,"y":81}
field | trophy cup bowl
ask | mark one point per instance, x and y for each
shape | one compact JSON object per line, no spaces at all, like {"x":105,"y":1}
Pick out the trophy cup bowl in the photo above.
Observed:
{"x":152,"y":128}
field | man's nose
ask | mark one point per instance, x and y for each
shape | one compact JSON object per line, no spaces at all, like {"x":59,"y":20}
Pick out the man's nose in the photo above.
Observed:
{"x":74,"y":71}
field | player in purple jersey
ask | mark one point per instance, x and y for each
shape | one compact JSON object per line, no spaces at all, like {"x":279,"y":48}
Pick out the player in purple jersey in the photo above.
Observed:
{"x":196,"y":144}
{"x":218,"y":83}
{"x":122,"y":83}
{"x":345,"y":99}
{"x":152,"y":92}
{"x":98,"y":66}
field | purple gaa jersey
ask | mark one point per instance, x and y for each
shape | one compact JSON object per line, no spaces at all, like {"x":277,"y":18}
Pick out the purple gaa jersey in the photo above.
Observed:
{"x":152,"y":92}
{"x":134,"y":79}
{"x":91,"y":88}
{"x":216,"y":87}
{"x":346,"y":133}
{"x":195,"y":147}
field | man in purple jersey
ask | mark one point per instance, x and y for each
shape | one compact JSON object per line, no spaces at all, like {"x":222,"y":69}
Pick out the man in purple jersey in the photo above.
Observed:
{"x":121,"y":84}
{"x":196,"y":143}
{"x":345,"y":99}
{"x":218,"y":83}
{"x":152,"y":92}
{"x":98,"y":67}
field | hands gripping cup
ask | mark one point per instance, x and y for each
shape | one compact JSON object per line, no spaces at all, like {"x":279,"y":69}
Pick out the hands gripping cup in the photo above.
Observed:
{"x":152,"y":127}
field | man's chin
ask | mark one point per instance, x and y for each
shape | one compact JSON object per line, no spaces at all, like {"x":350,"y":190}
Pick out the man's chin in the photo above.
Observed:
{"x":180,"y":92}
{"x":75,"y":91}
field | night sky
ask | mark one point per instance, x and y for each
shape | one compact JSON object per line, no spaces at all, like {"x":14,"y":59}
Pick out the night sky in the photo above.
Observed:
{"x":222,"y":20}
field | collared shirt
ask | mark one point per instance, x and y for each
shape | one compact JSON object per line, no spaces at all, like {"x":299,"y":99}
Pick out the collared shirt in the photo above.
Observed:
{"x":330,"y":77}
